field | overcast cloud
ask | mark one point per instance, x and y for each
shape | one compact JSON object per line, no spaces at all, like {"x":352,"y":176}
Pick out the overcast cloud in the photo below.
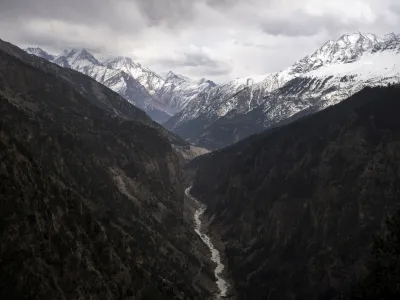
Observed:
{"x":218,"y":39}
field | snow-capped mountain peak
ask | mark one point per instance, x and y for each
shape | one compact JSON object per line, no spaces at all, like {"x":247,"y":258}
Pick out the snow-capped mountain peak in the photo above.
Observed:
{"x":79,"y":58}
{"x":120,"y":62}
{"x":358,"y":38}
{"x":119,"y":59}
{"x":391,"y":37}
{"x":332,"y":73}
{"x":149,"y":79}
{"x":176,"y":78}
{"x":348,"y":48}
{"x":160,"y":97}
{"x":206,"y":81}
{"x":39,"y":52}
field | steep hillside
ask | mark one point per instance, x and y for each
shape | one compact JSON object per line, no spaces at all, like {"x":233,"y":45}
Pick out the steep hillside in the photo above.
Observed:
{"x":233,"y":111}
{"x":297,"y":206}
{"x":91,"y":193}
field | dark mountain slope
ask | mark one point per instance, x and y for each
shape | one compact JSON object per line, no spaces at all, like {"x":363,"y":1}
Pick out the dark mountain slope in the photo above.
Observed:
{"x":90,"y":193}
{"x":297,"y":206}
{"x":98,"y":95}
{"x":382,"y":280}
{"x":235,"y":126}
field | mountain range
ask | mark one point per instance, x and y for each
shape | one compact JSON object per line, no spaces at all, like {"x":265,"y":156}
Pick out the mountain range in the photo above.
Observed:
{"x":160,"y":97}
{"x":214,"y":116}
{"x":98,"y":201}
{"x":232,"y":111}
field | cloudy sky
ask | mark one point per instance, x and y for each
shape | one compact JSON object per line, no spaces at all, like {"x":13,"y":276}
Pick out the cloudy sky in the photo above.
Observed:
{"x":217,"y":39}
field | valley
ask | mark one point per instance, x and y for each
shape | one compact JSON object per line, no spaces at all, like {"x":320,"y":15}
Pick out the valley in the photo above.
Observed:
{"x":297,"y":208}
{"x":119,"y":183}
{"x":214,"y":116}
{"x":91,"y":192}
{"x":223,"y":286}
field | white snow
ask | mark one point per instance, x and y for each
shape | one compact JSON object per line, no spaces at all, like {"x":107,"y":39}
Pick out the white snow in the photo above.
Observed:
{"x":364,"y":58}
{"x":170,"y":95}
{"x":380,"y":64}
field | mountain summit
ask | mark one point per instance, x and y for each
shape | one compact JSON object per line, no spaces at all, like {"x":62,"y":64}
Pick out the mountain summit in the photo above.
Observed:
{"x":215,"y":116}
{"x":347,"y":49}
{"x":39,"y":52}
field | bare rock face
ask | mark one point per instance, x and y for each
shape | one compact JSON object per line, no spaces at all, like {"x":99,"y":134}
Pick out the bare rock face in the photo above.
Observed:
{"x":297,"y":206}
{"x":91,"y":194}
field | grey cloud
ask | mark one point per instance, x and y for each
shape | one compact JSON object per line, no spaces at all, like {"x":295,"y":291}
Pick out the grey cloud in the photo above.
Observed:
{"x":198,"y":59}
{"x":222,"y":4}
{"x":365,"y":15}
{"x":198,"y":62}
{"x":395,"y":8}
{"x":146,"y":26}
{"x":253,"y":45}
{"x":72,"y":10}
{"x":301,"y":24}
{"x":109,"y":12}
{"x":171,"y":12}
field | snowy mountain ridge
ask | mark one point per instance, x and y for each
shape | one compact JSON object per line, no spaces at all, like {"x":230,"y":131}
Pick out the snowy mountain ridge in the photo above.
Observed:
{"x":199,"y":108}
{"x":159,"y":97}
{"x":327,"y":76}
{"x":39,"y":52}
{"x":179,"y":90}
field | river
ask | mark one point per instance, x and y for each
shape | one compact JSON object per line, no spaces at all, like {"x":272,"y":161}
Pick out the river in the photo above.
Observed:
{"x":215,"y":256}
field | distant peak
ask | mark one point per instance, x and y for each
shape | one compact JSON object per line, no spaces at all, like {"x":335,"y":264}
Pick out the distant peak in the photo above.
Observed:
{"x":209,"y":82}
{"x":171,"y":76}
{"x":39,"y":52}
{"x":79,"y":54}
{"x":71,"y":51}
{"x":34,"y":49}
{"x":357,"y":36}
{"x":391,"y":36}
{"x":121,"y":60}
{"x":346,"y":49}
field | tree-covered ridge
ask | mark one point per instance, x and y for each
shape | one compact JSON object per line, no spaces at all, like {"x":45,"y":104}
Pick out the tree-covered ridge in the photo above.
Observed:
{"x":382,"y":280}
{"x":297,"y":206}
{"x":91,"y":194}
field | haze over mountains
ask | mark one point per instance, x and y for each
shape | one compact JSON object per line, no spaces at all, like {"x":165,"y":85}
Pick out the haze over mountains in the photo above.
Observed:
{"x":214,"y":116}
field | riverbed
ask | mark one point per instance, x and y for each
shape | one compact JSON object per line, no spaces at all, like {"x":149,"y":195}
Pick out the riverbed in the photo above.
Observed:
{"x":215,"y":255}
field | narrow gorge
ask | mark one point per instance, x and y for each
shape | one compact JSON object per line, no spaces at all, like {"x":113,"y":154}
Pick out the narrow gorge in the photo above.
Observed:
{"x":284,"y":187}
{"x":222,"y":284}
